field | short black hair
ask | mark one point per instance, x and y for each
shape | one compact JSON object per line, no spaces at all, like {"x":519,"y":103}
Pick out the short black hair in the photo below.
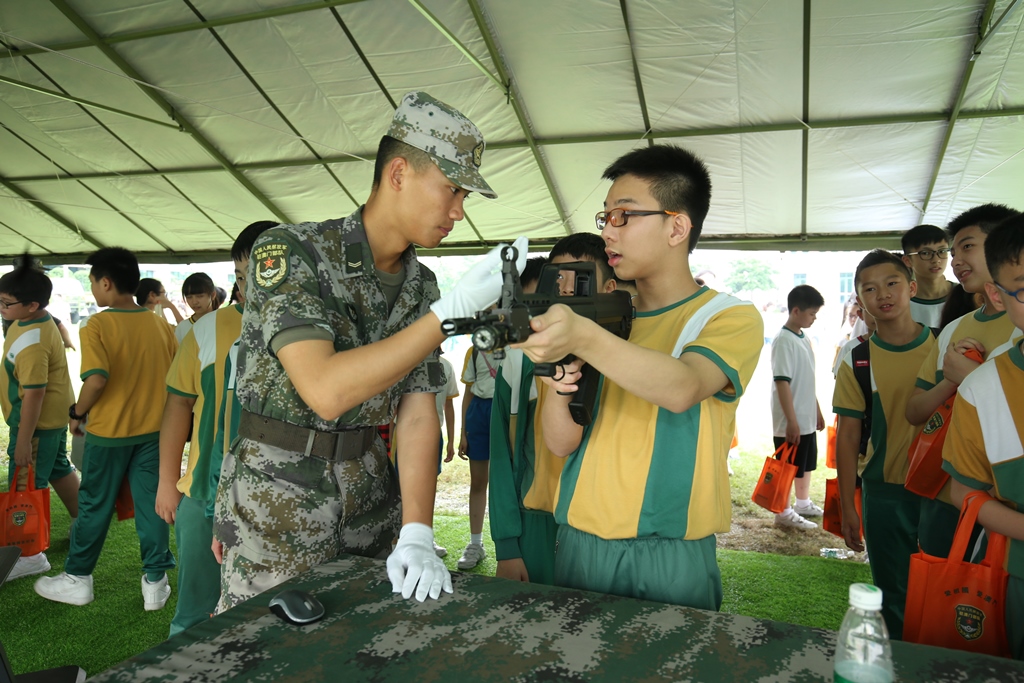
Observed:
{"x":1005,"y":245}
{"x":118,"y":265}
{"x":531,"y":271}
{"x":27,"y":283}
{"x":147,"y":286}
{"x":389,"y":148}
{"x":986,"y":217}
{"x":584,"y":244}
{"x":804,"y":297}
{"x":920,"y":235}
{"x":198,"y":283}
{"x":247,"y":238}
{"x":678,"y":179}
{"x":878,"y":257}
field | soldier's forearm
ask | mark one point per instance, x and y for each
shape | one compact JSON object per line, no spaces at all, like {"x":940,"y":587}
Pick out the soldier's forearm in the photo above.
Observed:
{"x":418,"y":462}
{"x":333,"y":382}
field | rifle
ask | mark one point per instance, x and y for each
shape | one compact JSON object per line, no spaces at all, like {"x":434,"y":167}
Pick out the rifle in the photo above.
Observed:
{"x":509,"y":322}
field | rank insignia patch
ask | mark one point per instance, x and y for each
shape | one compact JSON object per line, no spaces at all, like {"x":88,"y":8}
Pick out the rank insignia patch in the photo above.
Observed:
{"x":271,"y":261}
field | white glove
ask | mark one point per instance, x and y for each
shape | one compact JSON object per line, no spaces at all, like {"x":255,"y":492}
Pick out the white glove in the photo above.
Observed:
{"x":480,"y":286}
{"x":413,"y":562}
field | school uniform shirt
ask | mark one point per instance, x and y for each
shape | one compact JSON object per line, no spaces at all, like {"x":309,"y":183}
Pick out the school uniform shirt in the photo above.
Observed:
{"x":793,"y":362}
{"x":892,"y":384}
{"x":642,"y":470}
{"x":182,"y":328}
{"x":478,"y":373}
{"x":197,"y":371}
{"x":983,"y":446}
{"x":451,"y":389}
{"x":34,"y":358}
{"x":928,"y":312}
{"x":133,"y":351}
{"x":993,"y":331}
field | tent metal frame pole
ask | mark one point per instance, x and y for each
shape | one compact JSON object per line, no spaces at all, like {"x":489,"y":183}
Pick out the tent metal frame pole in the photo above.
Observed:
{"x":124,"y":144}
{"x":184,"y":28}
{"x":576,"y":140}
{"x":90,"y":190}
{"x":805,"y":134}
{"x":363,"y":58}
{"x":86,"y":103}
{"x":517,"y":107}
{"x":42,"y":207}
{"x":792,"y":242}
{"x":980,"y":47}
{"x":186,"y":126}
{"x":954,"y":112}
{"x":636,"y":71}
{"x":499,"y":81}
{"x":273,"y":105}
{"x":25,"y":237}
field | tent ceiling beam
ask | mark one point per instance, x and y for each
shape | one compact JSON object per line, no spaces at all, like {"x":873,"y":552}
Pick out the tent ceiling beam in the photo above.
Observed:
{"x":500,"y":82}
{"x":980,"y":47}
{"x":86,"y":103}
{"x":954,"y":112}
{"x":805,"y":135}
{"x":186,"y":126}
{"x":43,"y":208}
{"x":513,"y":96}
{"x":793,"y":242}
{"x":636,"y":71}
{"x":363,"y":58}
{"x":273,"y":105}
{"x":569,"y":140}
{"x":182,"y":28}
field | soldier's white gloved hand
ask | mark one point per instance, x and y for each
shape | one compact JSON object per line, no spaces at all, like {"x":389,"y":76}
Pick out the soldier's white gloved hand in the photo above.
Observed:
{"x":480,"y":286}
{"x":413,"y":564}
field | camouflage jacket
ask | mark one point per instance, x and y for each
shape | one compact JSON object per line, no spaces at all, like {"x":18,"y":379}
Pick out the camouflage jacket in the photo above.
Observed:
{"x":322,"y":275}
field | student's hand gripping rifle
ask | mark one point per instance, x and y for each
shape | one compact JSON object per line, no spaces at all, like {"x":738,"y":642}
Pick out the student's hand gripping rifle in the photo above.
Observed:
{"x":509,"y":322}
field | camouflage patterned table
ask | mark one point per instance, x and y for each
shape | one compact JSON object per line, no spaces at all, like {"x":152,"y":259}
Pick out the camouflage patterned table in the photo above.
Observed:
{"x":497,"y":630}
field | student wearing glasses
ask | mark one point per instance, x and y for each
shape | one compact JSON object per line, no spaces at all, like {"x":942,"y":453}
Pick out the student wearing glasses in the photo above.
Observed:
{"x":987,"y":329}
{"x":645,"y":488}
{"x":926,"y":252}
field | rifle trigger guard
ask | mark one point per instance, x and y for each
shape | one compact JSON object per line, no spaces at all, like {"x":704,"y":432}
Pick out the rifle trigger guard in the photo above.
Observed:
{"x":561,"y":376}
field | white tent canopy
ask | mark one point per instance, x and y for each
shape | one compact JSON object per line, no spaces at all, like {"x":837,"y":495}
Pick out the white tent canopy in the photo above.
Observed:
{"x":166,"y":126}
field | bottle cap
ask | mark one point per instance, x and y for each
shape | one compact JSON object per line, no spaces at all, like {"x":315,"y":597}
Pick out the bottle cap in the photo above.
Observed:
{"x":865,"y":596}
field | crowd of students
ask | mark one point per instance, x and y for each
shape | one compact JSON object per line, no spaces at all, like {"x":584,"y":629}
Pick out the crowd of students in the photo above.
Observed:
{"x":322,"y":354}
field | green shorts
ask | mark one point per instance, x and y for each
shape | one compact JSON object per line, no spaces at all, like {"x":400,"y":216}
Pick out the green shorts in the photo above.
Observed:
{"x":669,"y":570}
{"x":1015,"y":616}
{"x":49,"y":457}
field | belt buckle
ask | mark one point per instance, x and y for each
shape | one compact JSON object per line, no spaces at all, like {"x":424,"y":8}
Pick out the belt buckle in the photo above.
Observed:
{"x":338,"y":453}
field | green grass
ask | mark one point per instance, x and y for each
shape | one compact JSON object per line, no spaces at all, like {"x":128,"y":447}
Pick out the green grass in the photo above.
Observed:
{"x":39,"y":634}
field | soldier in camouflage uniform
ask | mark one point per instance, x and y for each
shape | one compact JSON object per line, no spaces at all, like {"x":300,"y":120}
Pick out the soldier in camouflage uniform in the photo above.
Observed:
{"x":339,"y":332}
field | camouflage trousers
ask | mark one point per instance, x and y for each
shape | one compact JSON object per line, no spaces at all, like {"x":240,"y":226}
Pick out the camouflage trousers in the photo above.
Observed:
{"x":280,"y":513}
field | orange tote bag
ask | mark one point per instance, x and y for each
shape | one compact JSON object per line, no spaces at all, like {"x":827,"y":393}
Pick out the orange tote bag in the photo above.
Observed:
{"x":26,"y":517}
{"x":777,"y":475}
{"x":956,"y":604}
{"x":832,"y":518}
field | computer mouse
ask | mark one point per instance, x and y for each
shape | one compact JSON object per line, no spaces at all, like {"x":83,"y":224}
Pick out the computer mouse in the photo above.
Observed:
{"x":296,"y":607}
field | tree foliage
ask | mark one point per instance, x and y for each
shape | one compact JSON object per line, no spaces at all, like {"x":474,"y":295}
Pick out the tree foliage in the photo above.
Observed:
{"x":751,"y":275}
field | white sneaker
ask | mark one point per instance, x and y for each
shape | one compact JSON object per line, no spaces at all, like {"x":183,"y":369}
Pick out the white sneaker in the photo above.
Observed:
{"x":27,"y":566}
{"x":154,"y":595}
{"x":811,"y":510}
{"x":440,"y":551}
{"x":794,"y":521}
{"x":66,"y":588}
{"x":472,"y":556}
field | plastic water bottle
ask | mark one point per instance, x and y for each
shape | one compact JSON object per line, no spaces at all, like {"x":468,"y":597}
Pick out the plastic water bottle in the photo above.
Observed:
{"x":836,"y":553}
{"x":863,"y":653}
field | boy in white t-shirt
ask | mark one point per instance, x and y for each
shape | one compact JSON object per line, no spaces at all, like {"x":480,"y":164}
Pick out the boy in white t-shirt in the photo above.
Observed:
{"x":796,"y":415}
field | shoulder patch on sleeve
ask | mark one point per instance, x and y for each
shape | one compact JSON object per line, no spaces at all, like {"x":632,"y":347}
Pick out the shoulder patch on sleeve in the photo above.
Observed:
{"x":270,"y":261}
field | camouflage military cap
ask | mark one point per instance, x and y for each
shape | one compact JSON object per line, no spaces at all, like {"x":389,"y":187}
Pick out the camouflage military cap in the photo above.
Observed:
{"x":451,"y":140}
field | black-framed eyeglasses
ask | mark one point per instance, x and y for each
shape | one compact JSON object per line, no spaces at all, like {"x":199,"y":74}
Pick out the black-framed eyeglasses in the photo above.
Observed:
{"x":8,"y":304}
{"x":929,"y":254}
{"x":1016,"y":295}
{"x":619,"y":217}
